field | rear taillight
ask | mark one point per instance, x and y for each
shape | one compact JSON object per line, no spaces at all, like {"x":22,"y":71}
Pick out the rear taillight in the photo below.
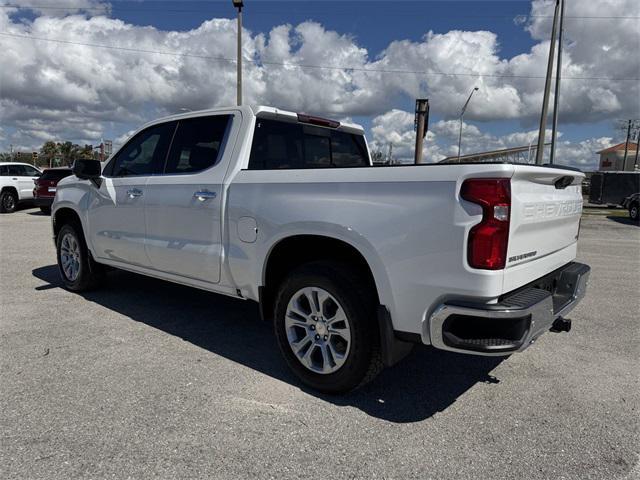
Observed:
{"x":488,"y":240}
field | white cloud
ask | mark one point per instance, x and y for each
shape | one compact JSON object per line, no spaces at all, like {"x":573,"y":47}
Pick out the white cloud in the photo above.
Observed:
{"x":395,"y":127}
{"x":72,"y":91}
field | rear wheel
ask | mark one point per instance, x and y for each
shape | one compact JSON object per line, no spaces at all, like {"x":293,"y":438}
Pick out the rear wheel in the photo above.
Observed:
{"x":634,"y":211}
{"x":8,"y":201}
{"x":326,"y":327}
{"x":79,"y":272}
{"x":46,"y":210}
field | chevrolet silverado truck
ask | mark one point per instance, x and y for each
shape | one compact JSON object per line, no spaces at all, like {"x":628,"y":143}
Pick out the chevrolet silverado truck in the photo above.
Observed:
{"x":353,"y":263}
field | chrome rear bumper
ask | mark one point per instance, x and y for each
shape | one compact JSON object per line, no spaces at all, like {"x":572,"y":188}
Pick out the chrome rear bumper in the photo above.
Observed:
{"x":512,"y":324}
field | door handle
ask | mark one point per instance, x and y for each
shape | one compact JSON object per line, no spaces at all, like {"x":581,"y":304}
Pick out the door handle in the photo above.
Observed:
{"x":204,"y":195}
{"x":134,"y":193}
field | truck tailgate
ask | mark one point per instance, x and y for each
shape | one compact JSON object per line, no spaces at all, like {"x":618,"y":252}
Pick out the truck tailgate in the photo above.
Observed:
{"x":546,"y":205}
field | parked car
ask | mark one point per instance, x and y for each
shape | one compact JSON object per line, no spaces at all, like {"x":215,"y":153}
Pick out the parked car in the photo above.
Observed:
{"x":45,"y":187}
{"x":611,"y":188}
{"x":352,"y":263}
{"x":16,"y":184}
{"x":632,"y":203}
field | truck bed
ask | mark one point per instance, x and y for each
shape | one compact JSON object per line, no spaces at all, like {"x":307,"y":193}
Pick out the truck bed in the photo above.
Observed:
{"x":411,"y":227}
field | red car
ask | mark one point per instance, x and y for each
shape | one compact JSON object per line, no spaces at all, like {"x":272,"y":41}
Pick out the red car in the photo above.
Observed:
{"x":45,"y":188}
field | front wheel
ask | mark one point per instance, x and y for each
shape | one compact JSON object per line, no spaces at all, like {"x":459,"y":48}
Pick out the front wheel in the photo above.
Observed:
{"x":77,"y":269}
{"x":46,"y":210}
{"x":634,"y":212}
{"x":8,"y":201}
{"x":326,"y":327}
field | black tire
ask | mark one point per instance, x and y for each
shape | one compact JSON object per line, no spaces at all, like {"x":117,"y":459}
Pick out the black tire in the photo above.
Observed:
{"x":89,"y":273}
{"x":46,"y":210}
{"x":358,"y":300}
{"x":634,"y":212}
{"x":8,"y":201}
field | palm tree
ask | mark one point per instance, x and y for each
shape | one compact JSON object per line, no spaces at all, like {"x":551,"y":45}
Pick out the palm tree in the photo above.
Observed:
{"x":49,"y":151}
{"x":69,"y":152}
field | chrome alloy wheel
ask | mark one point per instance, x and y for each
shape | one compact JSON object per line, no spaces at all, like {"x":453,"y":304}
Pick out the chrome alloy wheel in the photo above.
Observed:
{"x":317,"y":330}
{"x":70,"y":256}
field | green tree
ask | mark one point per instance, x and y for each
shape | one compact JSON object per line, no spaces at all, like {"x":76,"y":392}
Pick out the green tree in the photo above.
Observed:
{"x":69,"y":151}
{"x":48,"y":152}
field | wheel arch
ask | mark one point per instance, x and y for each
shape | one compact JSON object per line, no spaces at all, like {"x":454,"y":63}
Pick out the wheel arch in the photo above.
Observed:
{"x":64,"y":215}
{"x":10,"y":188}
{"x":291,"y":251}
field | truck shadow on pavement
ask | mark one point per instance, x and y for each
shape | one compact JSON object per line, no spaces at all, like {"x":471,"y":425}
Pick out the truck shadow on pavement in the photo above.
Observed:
{"x":624,"y":220}
{"x":426,"y":382}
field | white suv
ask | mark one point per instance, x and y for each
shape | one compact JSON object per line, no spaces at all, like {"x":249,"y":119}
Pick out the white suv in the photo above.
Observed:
{"x":16,"y":184}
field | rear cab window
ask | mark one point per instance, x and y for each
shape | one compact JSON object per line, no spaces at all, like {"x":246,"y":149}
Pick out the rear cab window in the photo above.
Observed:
{"x":55,"y":175}
{"x":289,"y":145}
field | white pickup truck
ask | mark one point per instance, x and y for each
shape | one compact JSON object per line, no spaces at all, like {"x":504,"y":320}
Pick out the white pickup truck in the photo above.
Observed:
{"x":352,"y":263}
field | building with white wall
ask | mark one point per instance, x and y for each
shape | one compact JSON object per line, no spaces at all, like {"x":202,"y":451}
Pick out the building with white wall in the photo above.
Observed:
{"x":612,"y":158}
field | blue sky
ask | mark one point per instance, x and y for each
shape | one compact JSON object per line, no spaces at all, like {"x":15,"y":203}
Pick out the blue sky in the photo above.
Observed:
{"x":112,"y":92}
{"x":373,"y":25}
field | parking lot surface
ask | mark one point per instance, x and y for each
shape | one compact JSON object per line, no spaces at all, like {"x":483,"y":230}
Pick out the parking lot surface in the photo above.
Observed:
{"x":148,"y":379}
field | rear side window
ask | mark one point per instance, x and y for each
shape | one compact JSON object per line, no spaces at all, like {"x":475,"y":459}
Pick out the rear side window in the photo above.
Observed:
{"x":197,"y":144}
{"x":279,"y":145}
{"x":144,"y":154}
{"x":15,"y":170}
{"x":4,"y":171}
{"x":55,"y":175}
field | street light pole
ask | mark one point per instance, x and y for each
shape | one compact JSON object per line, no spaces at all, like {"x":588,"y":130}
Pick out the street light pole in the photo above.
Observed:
{"x":556,"y":96}
{"x":238,"y":4}
{"x":547,"y":87}
{"x":464,"y":108}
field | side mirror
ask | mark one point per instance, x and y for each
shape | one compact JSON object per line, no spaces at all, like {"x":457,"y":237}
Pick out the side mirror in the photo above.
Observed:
{"x":86,"y":169}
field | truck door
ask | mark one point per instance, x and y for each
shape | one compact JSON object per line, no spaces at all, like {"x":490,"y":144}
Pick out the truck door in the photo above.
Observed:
{"x":183,"y":206}
{"x":116,"y":212}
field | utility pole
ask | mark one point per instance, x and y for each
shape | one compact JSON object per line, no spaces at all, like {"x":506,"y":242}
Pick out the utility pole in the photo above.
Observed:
{"x":626,"y":146}
{"x":556,"y":96}
{"x":635,"y":165}
{"x":420,"y":122}
{"x":547,"y":88}
{"x":238,"y":4}
{"x":464,"y":109}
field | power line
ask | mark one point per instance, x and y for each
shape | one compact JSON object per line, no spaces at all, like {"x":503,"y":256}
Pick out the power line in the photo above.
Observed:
{"x":303,"y":66}
{"x":271,"y":12}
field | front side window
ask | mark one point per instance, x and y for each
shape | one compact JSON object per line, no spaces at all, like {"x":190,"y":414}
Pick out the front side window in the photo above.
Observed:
{"x":280,"y":145}
{"x":144,"y":154}
{"x":197,"y":144}
{"x":28,"y":171}
{"x":4,"y":171}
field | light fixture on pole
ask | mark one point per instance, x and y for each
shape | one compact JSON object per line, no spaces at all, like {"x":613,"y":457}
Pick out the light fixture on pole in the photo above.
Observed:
{"x":238,"y":4}
{"x":464,"y":108}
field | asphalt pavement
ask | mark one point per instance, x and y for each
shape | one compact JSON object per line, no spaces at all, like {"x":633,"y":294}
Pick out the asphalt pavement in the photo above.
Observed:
{"x":146,"y":379}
